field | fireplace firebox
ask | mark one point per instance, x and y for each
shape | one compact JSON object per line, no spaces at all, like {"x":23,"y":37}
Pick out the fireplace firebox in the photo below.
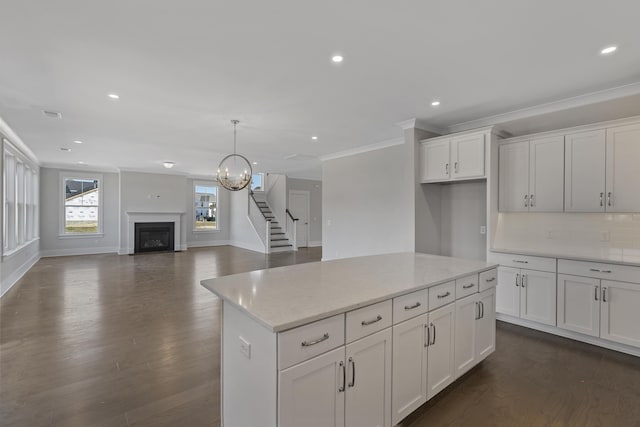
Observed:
{"x":154,"y":237}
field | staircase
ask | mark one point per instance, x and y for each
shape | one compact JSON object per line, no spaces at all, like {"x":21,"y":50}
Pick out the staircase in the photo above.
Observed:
{"x":279,"y":241}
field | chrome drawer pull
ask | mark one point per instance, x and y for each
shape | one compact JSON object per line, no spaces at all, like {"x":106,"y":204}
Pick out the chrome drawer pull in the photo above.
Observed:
{"x":353,"y":372}
{"x":411,"y":307}
{"x":596,"y":293}
{"x":314,"y":342}
{"x":490,"y":280}
{"x":446,"y":294}
{"x":520,"y":262}
{"x":469,"y":286}
{"x":344,"y":378}
{"x":370,"y":322}
{"x":597,"y":270}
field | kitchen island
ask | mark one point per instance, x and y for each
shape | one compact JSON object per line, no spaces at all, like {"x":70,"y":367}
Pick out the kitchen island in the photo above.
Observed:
{"x":358,"y":342}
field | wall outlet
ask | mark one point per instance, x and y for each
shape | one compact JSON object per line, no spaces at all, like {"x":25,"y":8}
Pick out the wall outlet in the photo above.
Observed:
{"x":245,"y":347}
{"x":483,"y":229}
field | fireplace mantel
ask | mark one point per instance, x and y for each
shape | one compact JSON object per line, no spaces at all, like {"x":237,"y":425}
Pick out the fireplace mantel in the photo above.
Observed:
{"x":145,"y":216}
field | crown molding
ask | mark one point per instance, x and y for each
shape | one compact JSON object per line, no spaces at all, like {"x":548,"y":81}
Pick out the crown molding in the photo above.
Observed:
{"x":363,"y":149}
{"x":421,"y":124}
{"x":17,"y":142}
{"x":76,"y":167}
{"x":550,"y":107}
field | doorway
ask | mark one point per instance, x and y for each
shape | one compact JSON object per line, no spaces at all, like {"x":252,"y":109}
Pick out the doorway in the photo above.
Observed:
{"x":299,"y":208}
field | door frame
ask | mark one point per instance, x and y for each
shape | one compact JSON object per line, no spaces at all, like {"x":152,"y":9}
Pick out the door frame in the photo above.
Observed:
{"x":306,"y":193}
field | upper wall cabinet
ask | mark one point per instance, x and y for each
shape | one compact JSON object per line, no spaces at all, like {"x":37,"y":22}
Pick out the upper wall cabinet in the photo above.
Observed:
{"x":601,"y":170}
{"x":531,"y":175}
{"x":457,"y":158}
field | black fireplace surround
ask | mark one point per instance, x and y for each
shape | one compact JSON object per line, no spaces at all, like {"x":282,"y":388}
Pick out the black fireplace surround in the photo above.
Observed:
{"x":154,"y":237}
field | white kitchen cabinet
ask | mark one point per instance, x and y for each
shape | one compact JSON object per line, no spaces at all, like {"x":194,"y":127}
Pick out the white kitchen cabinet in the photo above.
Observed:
{"x":620,"y":313}
{"x":312,"y":392}
{"x":409,"y":370}
{"x":486,"y":324}
{"x":435,"y":161}
{"x":531,"y":176}
{"x":440,"y":346}
{"x":579,"y":304}
{"x":368,"y":377}
{"x":467,"y":156}
{"x":623,"y":172}
{"x":528,"y":294}
{"x":584,"y":178}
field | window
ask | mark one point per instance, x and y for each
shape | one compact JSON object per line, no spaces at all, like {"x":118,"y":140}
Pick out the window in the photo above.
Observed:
{"x":205,"y":206}
{"x":257,"y":182}
{"x":82,"y":205}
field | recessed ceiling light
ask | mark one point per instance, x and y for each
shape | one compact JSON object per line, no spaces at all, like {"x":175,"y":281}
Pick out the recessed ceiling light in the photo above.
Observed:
{"x":77,"y":141}
{"x":337,"y":59}
{"x":609,"y":50}
{"x":114,"y":96}
{"x":315,"y":138}
{"x":168,"y":165}
{"x":255,"y":163}
{"x":65,"y":149}
{"x":435,"y":103}
{"x":81,"y":162}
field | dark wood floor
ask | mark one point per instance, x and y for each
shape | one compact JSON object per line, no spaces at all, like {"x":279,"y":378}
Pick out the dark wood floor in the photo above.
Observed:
{"x":108,"y":340}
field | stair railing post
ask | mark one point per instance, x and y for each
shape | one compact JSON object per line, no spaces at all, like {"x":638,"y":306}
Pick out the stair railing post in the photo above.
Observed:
{"x":295,"y":235}
{"x":267,"y":241}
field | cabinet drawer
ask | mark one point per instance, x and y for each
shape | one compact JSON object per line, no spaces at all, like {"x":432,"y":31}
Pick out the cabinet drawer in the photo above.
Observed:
{"x":410,"y":305}
{"x":488,"y":279}
{"x":622,"y":273}
{"x":305,"y":342}
{"x":442,"y":295}
{"x":524,"y":261}
{"x":367,"y":320}
{"x":466,"y":286}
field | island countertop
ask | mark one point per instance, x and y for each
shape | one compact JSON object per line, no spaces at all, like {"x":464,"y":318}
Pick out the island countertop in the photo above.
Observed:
{"x":286,"y":297}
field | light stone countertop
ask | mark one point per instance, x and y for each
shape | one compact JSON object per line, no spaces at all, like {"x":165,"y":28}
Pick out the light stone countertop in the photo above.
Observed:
{"x":286,"y":297}
{"x":614,"y":256}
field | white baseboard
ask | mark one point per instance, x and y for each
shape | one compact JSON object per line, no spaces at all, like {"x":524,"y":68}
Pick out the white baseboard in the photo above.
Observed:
{"x":255,"y":248}
{"x":78,"y":251}
{"x":203,"y":244}
{"x":315,"y":243}
{"x":13,"y":278}
{"x":569,"y":334}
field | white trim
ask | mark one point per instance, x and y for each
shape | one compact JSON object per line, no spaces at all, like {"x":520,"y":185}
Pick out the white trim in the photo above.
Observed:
{"x":307,"y":194}
{"x":363,"y":149}
{"x":133,"y":217}
{"x":62,"y":211}
{"x":568,"y":334}
{"x":314,"y":243}
{"x":17,"y":274}
{"x":255,"y":248}
{"x":13,"y":139}
{"x":422,"y":125}
{"x":204,"y":244}
{"x":79,"y":251}
{"x":84,"y":168}
{"x":204,"y":183}
{"x":81,"y":236}
{"x":550,"y":107}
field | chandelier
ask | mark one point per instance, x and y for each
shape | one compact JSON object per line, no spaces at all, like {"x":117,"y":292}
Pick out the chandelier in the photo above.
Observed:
{"x":234,"y":171}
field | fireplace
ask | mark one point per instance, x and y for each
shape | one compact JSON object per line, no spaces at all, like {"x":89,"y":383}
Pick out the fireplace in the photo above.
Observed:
{"x":154,"y":237}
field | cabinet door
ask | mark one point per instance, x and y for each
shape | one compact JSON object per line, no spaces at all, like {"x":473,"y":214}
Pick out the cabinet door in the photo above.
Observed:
{"x":368,"y":399}
{"x":584,"y":174}
{"x":546,"y":174}
{"x":538,"y":296}
{"x":440,"y":363}
{"x":579,"y":304}
{"x":467,"y":156}
{"x":508,"y":291}
{"x":435,"y":161}
{"x":619,"y":313}
{"x":486,"y":324}
{"x":513,"y":182}
{"x":409,"y":371}
{"x":467,"y":313}
{"x":312,"y":392}
{"x":623,"y":171}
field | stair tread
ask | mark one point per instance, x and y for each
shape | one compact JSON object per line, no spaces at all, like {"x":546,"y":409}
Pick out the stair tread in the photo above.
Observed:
{"x":281,"y":246}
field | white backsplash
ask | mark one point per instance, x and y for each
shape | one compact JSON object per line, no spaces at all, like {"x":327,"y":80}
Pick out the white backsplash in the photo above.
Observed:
{"x":592,"y":235}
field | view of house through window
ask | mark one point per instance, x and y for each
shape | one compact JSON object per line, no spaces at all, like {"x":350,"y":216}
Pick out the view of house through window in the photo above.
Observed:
{"x":257,"y":182}
{"x":206,"y":206}
{"x":81,"y":205}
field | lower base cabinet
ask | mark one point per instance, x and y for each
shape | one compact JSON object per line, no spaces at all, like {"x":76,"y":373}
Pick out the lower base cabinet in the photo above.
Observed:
{"x":350,"y":386}
{"x":528,"y":294}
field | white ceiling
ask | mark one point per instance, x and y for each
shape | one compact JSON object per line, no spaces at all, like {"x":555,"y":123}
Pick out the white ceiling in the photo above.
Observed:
{"x":185,"y":68}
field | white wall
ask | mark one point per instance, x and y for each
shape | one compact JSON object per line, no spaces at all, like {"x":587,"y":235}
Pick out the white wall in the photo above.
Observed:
{"x":241,"y":230}
{"x":51,"y":208}
{"x":367,"y":203}
{"x":463,"y":212}
{"x":315,"y":205}
{"x":276,"y":195}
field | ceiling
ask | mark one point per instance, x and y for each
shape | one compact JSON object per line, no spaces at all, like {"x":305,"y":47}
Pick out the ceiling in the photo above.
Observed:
{"x":184,"y":69}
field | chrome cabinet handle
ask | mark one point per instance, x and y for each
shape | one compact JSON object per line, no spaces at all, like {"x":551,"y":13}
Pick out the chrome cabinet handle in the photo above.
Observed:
{"x":427,"y":339}
{"x":604,"y":294}
{"x":344,"y":377}
{"x":523,"y":280}
{"x":601,"y":198}
{"x":316,"y":341}
{"x":477,"y":310}
{"x":446,"y":294}
{"x":469,"y":286}
{"x":455,"y":167}
{"x":481,"y":310}
{"x":531,"y":201}
{"x":609,"y":198}
{"x":411,"y":307}
{"x":433,"y":338}
{"x":370,"y":322}
{"x":446,"y":168}
{"x":596,"y":293}
{"x":490,"y":280}
{"x":353,"y":372}
{"x":520,"y":261}
{"x":526,"y":200}
{"x":517,"y":279}
{"x":597,"y":270}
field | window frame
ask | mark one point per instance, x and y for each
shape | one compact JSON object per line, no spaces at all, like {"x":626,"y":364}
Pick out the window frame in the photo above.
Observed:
{"x":263,"y":182}
{"x":202,"y":183}
{"x":64,"y":176}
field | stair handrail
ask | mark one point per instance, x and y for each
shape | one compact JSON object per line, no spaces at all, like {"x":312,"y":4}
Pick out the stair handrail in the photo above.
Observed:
{"x":265,"y":236}
{"x":294,"y":229}
{"x":291,"y":215}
